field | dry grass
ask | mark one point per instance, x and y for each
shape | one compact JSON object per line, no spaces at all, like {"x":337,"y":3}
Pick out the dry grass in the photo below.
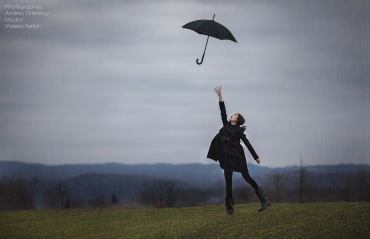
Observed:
{"x":313,"y":220}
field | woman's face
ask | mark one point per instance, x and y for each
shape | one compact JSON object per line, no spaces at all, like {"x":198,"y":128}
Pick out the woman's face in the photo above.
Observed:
{"x":234,"y":118}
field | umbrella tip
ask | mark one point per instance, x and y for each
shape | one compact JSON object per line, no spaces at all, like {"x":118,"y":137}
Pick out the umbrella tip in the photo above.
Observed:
{"x":214,"y":16}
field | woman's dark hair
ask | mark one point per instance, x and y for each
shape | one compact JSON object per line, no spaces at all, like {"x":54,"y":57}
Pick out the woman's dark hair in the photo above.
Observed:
{"x":241,"y":119}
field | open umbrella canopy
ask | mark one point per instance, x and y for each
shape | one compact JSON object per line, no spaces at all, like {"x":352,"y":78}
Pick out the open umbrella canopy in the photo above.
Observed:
{"x":210,"y":28}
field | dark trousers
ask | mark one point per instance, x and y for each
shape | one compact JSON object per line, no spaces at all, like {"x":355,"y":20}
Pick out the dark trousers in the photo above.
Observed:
{"x":229,"y":181}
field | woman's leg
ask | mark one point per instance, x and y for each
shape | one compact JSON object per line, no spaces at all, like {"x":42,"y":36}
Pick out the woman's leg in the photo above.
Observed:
{"x":229,"y":201}
{"x":229,"y":182}
{"x":258,"y":190}
{"x":249,"y":179}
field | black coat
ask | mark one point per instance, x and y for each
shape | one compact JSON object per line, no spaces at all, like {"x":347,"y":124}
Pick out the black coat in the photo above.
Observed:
{"x":226,"y":148}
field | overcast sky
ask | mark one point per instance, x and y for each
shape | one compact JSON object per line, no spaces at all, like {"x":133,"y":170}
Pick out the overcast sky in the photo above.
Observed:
{"x":117,"y":81}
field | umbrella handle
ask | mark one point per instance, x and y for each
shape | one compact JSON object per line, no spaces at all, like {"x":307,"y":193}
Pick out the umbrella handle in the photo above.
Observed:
{"x":203,"y":53}
{"x":199,"y":63}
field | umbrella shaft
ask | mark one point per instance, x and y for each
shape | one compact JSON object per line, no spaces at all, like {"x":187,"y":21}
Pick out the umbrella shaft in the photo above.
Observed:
{"x":206,"y":46}
{"x":203,"y":53}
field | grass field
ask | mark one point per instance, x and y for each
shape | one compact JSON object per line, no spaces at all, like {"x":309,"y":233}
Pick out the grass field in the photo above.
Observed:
{"x":319,"y":220}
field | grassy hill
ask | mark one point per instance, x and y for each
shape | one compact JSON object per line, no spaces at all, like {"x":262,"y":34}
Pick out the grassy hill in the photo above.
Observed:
{"x":316,"y":220}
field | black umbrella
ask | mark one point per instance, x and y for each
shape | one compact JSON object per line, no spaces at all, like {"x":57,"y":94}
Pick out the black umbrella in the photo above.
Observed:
{"x":210,"y":28}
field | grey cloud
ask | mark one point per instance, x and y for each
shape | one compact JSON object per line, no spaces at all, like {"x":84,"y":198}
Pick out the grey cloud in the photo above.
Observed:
{"x":117,"y":81}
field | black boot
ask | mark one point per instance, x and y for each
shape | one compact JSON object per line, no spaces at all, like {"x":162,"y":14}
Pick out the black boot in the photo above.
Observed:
{"x":264,"y":201}
{"x":229,"y":201}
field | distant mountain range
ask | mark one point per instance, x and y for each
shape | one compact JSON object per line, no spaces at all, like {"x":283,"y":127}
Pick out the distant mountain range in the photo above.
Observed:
{"x":198,"y":174}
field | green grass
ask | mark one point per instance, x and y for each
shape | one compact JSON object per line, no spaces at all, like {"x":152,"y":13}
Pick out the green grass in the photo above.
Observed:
{"x":314,"y":220}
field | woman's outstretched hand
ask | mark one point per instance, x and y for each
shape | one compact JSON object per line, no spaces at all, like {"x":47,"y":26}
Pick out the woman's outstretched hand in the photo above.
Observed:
{"x":258,"y":160}
{"x":218,"y":91}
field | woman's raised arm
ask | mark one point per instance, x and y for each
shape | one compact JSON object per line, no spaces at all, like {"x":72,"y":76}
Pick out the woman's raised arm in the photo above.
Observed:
{"x":222,"y":105}
{"x":218,"y":91}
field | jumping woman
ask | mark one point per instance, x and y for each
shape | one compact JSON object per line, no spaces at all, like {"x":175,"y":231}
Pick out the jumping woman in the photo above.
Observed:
{"x":227,"y":150}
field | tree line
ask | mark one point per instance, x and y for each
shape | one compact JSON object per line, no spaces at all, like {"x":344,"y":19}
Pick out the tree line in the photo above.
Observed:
{"x":17,"y":193}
